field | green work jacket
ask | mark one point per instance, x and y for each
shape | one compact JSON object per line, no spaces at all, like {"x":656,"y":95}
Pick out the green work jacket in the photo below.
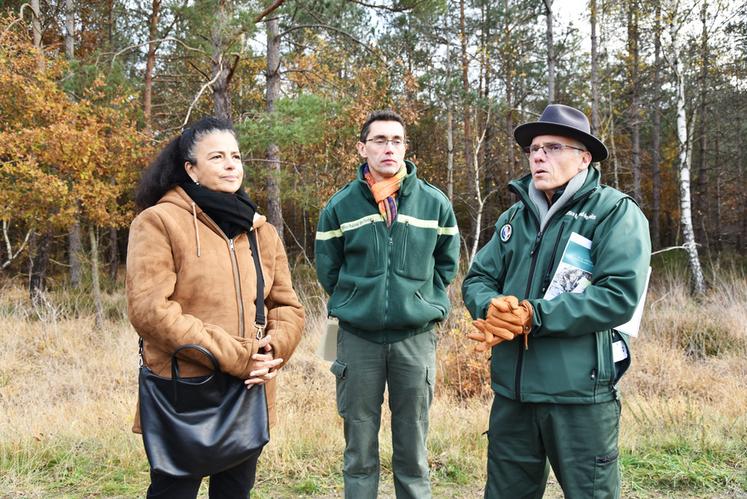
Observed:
{"x":569,"y":356}
{"x":387,"y":283}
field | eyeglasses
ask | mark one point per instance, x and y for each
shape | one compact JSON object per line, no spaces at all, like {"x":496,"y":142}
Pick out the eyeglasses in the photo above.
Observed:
{"x":550,"y":148}
{"x":383,"y":141}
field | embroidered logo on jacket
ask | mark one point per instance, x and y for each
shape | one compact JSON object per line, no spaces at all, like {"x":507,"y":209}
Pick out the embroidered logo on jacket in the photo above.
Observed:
{"x":583,"y":214}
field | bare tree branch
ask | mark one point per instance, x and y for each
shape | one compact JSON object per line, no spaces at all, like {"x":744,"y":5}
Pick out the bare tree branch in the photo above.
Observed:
{"x":382,"y":7}
{"x":336,"y":30}
{"x":168,"y":38}
{"x":202,"y":89}
{"x":20,"y":18}
{"x":9,"y":248}
{"x":269,"y":10}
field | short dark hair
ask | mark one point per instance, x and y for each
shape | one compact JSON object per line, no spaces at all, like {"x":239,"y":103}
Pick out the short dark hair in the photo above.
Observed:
{"x":380,"y":115}
{"x":167,"y":170}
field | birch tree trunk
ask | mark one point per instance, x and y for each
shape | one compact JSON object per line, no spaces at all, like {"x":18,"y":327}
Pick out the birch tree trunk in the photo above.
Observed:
{"x":36,"y":24}
{"x":550,"y":52}
{"x":274,"y":206}
{"x":684,"y":170}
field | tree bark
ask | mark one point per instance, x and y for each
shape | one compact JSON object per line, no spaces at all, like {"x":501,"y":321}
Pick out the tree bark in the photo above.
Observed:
{"x":467,"y":113}
{"x":75,"y":245}
{"x":550,"y":52}
{"x":221,"y":68}
{"x":39,"y":261}
{"x":36,"y":24}
{"x":150,"y":63}
{"x":684,"y":170}
{"x":113,"y":254}
{"x":702,"y":195}
{"x":37,"y":31}
{"x":69,"y":29}
{"x":95,"y":281}
{"x":595,"y":124}
{"x":75,"y":250}
{"x":656,"y":134}
{"x":633,"y":55}
{"x":274,"y":205}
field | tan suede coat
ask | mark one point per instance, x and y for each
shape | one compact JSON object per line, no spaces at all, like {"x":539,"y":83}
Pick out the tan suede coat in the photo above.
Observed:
{"x":188,"y":283}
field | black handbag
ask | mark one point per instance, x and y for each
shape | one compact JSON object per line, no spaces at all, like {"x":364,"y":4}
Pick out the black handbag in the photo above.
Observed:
{"x":199,"y":426}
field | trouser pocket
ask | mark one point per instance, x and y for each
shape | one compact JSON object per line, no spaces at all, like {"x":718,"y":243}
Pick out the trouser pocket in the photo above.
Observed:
{"x":607,"y":477}
{"x":339,"y":369}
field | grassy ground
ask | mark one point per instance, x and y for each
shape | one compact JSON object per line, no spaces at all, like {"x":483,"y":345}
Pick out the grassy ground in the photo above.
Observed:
{"x":67,"y":394}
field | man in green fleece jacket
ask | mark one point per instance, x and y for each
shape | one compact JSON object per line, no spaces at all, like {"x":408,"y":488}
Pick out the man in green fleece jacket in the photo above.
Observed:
{"x":555,"y":395}
{"x":387,"y":246}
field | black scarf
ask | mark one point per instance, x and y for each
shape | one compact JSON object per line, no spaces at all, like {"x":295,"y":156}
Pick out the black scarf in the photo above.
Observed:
{"x":234,"y":213}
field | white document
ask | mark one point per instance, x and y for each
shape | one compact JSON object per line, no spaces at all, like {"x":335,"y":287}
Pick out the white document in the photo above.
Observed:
{"x":634,"y":324}
{"x":619,"y":351}
{"x":573,"y":274}
{"x":328,"y":346}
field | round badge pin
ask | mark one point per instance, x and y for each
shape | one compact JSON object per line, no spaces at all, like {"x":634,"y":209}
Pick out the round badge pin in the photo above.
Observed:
{"x":506,"y":232}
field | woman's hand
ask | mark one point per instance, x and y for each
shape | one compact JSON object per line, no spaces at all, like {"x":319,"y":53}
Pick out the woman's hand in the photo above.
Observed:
{"x":263,"y":367}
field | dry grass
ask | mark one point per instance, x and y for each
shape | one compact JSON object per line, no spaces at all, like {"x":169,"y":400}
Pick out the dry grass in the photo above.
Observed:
{"x":67,"y":394}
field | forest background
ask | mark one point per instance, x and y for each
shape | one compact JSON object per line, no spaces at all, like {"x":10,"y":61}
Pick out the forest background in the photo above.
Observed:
{"x":90,"y":90}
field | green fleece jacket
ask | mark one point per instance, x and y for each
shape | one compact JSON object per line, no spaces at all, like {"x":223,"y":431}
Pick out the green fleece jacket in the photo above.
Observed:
{"x":569,"y":359}
{"x":387,"y":283}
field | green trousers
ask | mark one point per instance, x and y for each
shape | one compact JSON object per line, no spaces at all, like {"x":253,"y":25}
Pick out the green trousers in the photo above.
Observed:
{"x":579,"y":441}
{"x":407,"y":368}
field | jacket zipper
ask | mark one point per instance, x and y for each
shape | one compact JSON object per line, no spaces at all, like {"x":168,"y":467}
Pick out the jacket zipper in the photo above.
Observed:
{"x":237,"y":285}
{"x":546,"y":280}
{"x":235,"y":267}
{"x":386,"y":284}
{"x":520,"y":361}
{"x":533,"y":254}
{"x":402,"y":260}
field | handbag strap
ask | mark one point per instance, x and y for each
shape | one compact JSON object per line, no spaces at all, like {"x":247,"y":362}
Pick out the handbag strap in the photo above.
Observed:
{"x":260,"y":322}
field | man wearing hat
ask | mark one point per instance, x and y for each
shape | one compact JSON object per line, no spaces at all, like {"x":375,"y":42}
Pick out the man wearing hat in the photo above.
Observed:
{"x":556,"y":356}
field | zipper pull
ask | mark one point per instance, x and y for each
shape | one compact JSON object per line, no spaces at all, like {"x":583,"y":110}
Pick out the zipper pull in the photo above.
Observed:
{"x":230,"y":244}
{"x":536,"y":243}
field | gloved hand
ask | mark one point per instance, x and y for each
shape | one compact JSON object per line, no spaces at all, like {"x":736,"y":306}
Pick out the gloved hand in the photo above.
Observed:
{"x":511,"y":315}
{"x":505,"y":312}
{"x":489,"y":336}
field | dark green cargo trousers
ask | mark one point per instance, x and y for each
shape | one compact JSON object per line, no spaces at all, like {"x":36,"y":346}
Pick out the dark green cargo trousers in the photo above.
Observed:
{"x":579,"y":441}
{"x":407,"y":369}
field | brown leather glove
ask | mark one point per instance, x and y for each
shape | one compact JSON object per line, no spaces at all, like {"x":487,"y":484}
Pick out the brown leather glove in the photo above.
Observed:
{"x":489,"y":336}
{"x":507,"y":313}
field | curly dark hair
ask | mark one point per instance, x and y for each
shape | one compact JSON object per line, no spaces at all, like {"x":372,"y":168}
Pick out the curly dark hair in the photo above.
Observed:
{"x":167,"y":170}
{"x":380,"y":115}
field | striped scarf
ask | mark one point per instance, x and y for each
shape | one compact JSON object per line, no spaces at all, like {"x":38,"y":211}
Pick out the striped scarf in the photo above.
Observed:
{"x":385,"y":193}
